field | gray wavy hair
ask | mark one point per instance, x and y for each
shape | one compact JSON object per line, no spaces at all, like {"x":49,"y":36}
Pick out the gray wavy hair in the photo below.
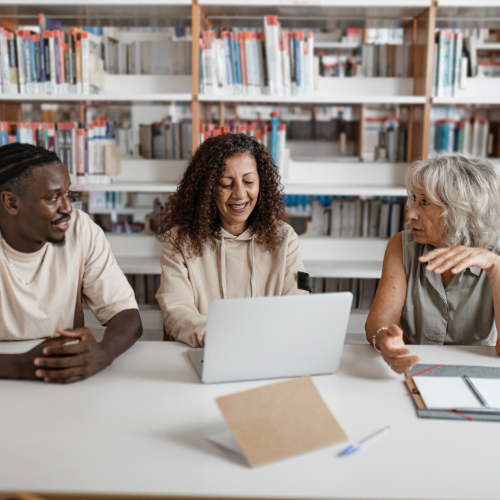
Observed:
{"x":468,"y":190}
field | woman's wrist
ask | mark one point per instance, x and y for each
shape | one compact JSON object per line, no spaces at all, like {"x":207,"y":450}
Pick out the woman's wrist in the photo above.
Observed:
{"x":377,"y":337}
{"x":494,"y":269}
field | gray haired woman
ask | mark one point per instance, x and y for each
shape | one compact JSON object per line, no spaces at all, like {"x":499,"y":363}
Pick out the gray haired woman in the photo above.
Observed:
{"x":441,"y":277}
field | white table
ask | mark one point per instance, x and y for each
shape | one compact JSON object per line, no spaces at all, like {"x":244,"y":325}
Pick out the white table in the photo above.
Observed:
{"x":140,"y":428}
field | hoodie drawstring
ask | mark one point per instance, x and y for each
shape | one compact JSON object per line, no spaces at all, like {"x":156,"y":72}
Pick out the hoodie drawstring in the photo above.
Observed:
{"x":223,"y":269}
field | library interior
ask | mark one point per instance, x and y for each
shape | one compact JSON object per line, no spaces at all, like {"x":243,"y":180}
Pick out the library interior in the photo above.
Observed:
{"x":342,"y":100}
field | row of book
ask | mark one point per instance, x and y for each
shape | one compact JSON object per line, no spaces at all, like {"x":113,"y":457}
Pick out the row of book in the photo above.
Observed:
{"x":274,"y":62}
{"x":352,"y":217}
{"x":157,"y":57}
{"x":450,"y":65}
{"x":363,"y":290}
{"x":49,"y":60}
{"x":385,"y":60}
{"x":107,"y":200}
{"x":89,"y":151}
{"x":272,"y":135}
{"x":459,"y":54}
{"x":145,"y":287}
{"x":369,"y":61}
{"x":470,"y":136}
{"x":168,"y":139}
{"x":384,"y":140}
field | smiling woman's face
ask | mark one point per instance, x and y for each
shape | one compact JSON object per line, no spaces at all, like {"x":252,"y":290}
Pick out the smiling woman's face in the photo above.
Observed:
{"x":239,"y":192}
{"x":425,"y":219}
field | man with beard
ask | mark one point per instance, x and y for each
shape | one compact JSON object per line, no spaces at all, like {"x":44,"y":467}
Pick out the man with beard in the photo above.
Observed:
{"x":51,"y":257}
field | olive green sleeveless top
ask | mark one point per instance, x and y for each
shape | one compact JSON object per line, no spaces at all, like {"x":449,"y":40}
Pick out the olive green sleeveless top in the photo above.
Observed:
{"x":460,"y":314}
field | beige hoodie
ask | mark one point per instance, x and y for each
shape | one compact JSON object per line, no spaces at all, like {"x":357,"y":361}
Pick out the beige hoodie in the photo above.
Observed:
{"x":236,"y":267}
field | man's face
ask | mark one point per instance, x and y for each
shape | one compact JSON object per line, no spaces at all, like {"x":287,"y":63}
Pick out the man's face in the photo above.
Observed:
{"x":43,"y":208}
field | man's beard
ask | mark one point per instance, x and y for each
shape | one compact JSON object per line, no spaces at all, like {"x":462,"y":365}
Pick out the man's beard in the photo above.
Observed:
{"x":57,"y":243}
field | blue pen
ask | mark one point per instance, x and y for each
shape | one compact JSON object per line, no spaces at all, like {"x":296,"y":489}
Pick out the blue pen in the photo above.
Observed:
{"x":353,"y":448}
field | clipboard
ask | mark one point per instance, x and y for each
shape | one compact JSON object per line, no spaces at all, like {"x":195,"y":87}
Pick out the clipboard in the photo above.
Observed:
{"x":449,"y":371}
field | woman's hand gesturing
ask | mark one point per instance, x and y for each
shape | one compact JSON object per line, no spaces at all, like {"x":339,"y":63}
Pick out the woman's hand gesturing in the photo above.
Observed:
{"x":459,"y":258}
{"x":393,"y":350}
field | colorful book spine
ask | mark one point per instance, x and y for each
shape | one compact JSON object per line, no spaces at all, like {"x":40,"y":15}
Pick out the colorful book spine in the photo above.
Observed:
{"x":13,"y":73}
{"x":271,"y":30}
{"x":53,"y":63}
{"x":226,"y":38}
{"x":85,"y":56}
{"x":274,"y":136}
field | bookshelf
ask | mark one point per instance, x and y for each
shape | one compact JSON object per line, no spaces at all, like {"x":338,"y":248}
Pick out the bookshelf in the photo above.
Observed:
{"x":122,"y":89}
{"x":324,"y":257}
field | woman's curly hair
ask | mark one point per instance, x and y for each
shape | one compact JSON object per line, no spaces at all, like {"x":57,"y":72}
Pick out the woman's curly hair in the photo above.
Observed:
{"x":193,"y":212}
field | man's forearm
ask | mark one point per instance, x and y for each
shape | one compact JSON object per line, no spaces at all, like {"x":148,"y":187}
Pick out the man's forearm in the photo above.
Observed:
{"x":122,"y":331}
{"x":9,"y":365}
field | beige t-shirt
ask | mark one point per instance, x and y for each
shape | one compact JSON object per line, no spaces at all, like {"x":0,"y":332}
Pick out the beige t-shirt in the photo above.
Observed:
{"x":188,"y":285}
{"x":83,"y":267}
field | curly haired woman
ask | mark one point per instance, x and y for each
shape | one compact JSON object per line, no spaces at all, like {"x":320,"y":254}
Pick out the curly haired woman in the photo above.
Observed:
{"x":224,"y":235}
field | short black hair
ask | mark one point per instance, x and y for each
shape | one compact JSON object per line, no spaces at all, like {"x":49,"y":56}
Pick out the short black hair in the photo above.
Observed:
{"x":16,"y":162}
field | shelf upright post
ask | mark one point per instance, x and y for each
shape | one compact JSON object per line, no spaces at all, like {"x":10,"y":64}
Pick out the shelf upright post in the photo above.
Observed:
{"x":195,"y":72}
{"x":422,"y":68}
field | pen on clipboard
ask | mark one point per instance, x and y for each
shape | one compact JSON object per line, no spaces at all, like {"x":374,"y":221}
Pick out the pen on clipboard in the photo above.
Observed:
{"x":353,"y":448}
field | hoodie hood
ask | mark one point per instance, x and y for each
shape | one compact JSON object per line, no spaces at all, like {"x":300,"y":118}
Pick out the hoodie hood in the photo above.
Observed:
{"x":244,"y":236}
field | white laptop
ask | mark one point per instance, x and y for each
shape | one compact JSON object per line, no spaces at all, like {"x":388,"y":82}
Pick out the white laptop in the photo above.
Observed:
{"x":273,"y":337}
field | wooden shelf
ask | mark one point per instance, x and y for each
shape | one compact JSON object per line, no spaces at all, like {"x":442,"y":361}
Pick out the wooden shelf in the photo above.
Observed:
{"x":122,"y":88}
{"x":343,"y":190}
{"x":333,"y":99}
{"x":142,"y":211}
{"x":336,"y":45}
{"x":334,"y":90}
{"x":130,"y":187}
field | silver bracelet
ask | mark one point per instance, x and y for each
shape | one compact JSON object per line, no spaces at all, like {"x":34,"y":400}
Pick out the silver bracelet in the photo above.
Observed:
{"x":374,"y":338}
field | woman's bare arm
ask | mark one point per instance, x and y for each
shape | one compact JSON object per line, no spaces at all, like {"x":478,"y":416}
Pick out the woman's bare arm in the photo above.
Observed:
{"x":386,"y":310}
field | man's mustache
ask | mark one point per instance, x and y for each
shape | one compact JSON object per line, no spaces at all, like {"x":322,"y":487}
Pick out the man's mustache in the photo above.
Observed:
{"x":64,"y":218}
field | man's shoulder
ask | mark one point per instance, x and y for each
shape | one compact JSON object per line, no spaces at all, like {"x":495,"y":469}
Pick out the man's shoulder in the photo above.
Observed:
{"x":82,"y":228}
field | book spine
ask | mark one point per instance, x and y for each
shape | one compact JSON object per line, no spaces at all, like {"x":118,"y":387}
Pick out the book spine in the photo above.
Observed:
{"x":309,"y":63}
{"x":249,"y":63}
{"x":298,"y":64}
{"x":62,"y":70}
{"x":14,"y":81}
{"x":43,"y":73}
{"x":66,"y":67}
{"x":5,"y":61}
{"x":33,"y":76}
{"x":57,"y":61}
{"x":71,"y":63}
{"x":258,"y":81}
{"x":280,"y":152}
{"x":226,"y":37}
{"x":272,"y":52}
{"x":457,"y":62}
{"x":263,"y":58}
{"x":287,"y":82}
{"x":85,"y":56}
{"x":46,"y":57}
{"x":243,"y":64}
{"x":30,"y":88}
{"x":78,"y":66}
{"x":53,"y":63}
{"x":274,"y":136}
{"x":20,"y":61}
{"x":441,"y":65}
{"x":38,"y":65}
